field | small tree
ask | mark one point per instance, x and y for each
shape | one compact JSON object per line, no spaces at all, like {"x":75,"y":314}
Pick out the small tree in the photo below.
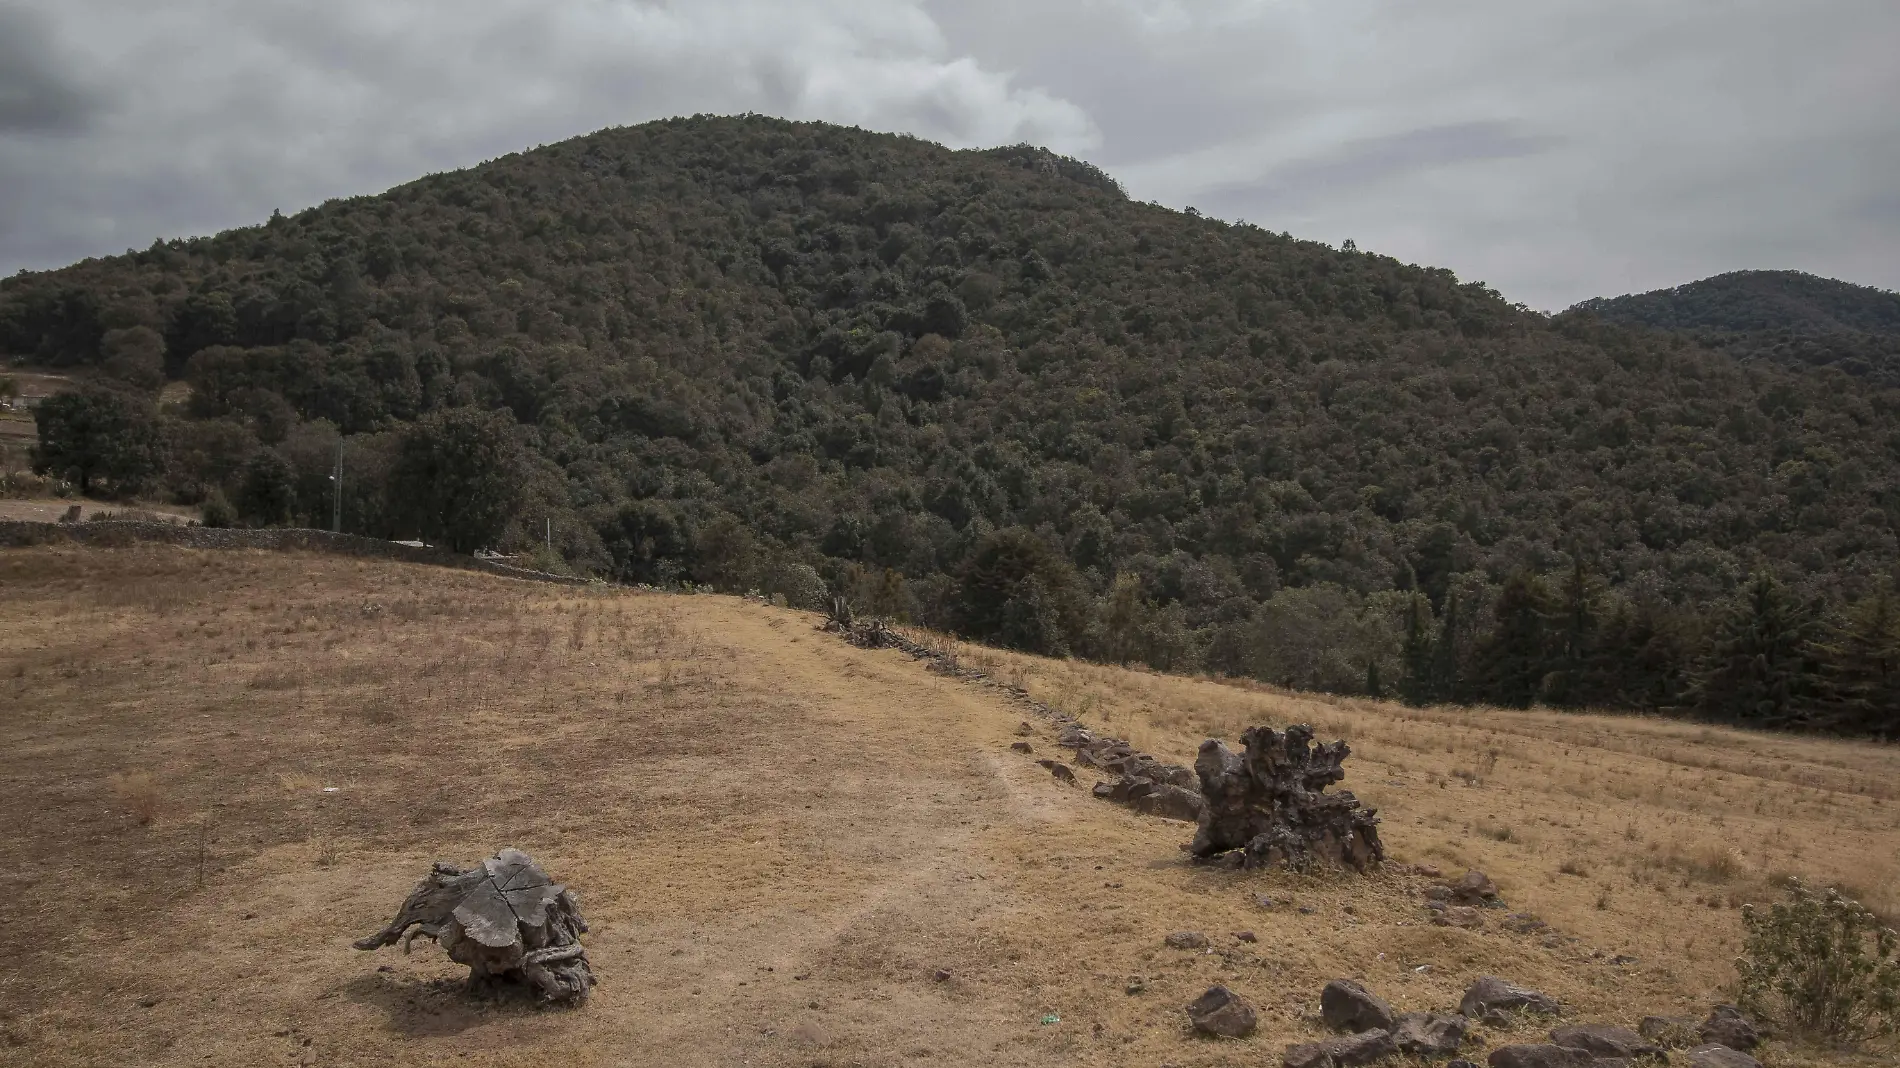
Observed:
{"x":1820,"y":965}
{"x":1416,"y":687}
{"x":1862,"y":670}
{"x":459,"y":475}
{"x":97,"y":433}
{"x":1513,"y":657}
{"x":267,"y":497}
{"x":1763,"y":669}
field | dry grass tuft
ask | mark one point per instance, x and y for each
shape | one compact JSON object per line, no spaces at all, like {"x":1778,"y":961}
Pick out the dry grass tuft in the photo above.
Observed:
{"x":138,"y":792}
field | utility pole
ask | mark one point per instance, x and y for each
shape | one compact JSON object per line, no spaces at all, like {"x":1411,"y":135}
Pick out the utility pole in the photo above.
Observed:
{"x":550,"y":535}
{"x":336,"y":478}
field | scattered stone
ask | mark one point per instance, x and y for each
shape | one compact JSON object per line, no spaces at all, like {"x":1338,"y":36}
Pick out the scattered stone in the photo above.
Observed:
{"x":1060,"y":770}
{"x":1308,"y":1055}
{"x":1223,"y":1013}
{"x":1152,"y":798}
{"x":1540,"y":1055}
{"x":1025,"y":730}
{"x":1622,"y":958}
{"x":1475,"y":889}
{"x":1491,"y":1001}
{"x":1364,"y":1048}
{"x":1605,"y":1040}
{"x":1136,"y":985}
{"x":1440,"y":894}
{"x":1525,"y":923}
{"x":505,"y":919}
{"x":1022,"y":747}
{"x":1673,"y":1032}
{"x":1263,"y":901}
{"x":149,"y":1001}
{"x":1307,"y":910}
{"x":1246,"y":936}
{"x":1726,"y":1026}
{"x":941,"y":975}
{"x":1458,"y":916}
{"x":1186,"y":940}
{"x":1717,"y":1056}
{"x":1427,"y":870}
{"x":1269,"y":805}
{"x":1429,"y":1034}
{"x":1346,"y":1006}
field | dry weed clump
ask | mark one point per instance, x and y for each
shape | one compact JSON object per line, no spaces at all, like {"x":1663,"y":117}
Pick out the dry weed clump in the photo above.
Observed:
{"x":139,"y":793}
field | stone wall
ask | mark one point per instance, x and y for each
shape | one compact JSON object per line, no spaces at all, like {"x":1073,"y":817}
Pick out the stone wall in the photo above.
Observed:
{"x":18,"y":533}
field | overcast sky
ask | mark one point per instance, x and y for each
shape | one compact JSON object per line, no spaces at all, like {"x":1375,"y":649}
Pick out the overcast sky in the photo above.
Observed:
{"x":1557,"y":149}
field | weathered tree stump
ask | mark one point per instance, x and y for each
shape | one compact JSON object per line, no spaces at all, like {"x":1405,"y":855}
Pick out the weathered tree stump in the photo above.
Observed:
{"x":504,"y":919}
{"x":1268,"y":807}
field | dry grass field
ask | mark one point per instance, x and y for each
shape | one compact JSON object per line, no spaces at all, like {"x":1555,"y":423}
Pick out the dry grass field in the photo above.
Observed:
{"x":223,"y":767}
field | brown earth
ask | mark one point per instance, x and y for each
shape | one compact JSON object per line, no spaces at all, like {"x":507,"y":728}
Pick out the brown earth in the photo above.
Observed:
{"x":781,"y":840}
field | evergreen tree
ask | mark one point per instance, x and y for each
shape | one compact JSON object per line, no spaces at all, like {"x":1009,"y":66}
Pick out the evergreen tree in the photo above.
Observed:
{"x":268,"y":494}
{"x":1573,"y":683}
{"x":1862,"y":665}
{"x":1514,"y":657}
{"x":1447,"y":661}
{"x":1418,"y":686}
{"x":1762,"y":669}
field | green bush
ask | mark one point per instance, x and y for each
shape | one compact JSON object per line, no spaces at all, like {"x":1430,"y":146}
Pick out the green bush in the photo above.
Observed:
{"x":1821,"y":966}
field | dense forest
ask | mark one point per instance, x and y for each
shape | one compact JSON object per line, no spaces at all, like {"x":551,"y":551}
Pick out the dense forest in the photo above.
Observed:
{"x":988,"y":392}
{"x":1785,"y":317}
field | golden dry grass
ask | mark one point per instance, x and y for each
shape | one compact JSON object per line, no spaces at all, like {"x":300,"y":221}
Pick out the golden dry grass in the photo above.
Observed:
{"x":779,"y":839}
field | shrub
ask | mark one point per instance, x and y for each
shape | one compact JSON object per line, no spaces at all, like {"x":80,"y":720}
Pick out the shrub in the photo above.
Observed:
{"x":1820,"y":965}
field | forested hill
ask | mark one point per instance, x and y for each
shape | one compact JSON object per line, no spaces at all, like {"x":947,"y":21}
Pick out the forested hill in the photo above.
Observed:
{"x":1788,"y":317}
{"x":974,"y":388}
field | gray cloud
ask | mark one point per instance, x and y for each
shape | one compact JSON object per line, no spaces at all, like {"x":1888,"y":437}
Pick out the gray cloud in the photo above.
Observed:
{"x":36,"y":95}
{"x":1558,"y":150}
{"x":1375,"y":160}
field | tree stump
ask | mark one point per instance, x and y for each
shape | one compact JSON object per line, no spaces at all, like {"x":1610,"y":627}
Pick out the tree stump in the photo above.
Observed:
{"x":1268,"y":807}
{"x":503,"y":918}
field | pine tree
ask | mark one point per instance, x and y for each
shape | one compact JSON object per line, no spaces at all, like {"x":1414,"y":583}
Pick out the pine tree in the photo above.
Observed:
{"x":1862,"y":670}
{"x":1574,"y":684}
{"x":1515,"y":656}
{"x":1447,"y":662}
{"x":1417,"y":688}
{"x":1763,"y":668}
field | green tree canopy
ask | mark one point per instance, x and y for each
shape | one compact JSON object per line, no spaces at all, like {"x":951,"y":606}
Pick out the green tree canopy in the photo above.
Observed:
{"x":459,"y":476}
{"x":99,"y":433}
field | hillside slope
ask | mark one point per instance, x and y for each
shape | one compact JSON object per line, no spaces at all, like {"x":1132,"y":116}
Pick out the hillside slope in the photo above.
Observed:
{"x":779,"y":840}
{"x":730,"y":347}
{"x":1785,"y":317}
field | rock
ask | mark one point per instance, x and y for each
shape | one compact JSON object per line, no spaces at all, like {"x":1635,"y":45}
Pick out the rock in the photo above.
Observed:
{"x":1605,"y":1040}
{"x":149,"y":1001}
{"x":1308,"y":1055}
{"x":1347,"y":1006}
{"x":1246,"y":936}
{"x":1726,"y":1026}
{"x":1058,"y":769}
{"x":1223,"y":1013}
{"x":941,"y":975}
{"x":1718,"y":1056}
{"x":1525,"y":923}
{"x":1364,"y":1048}
{"x":1540,"y":1055}
{"x":1438,"y":893}
{"x":1351,"y":1051}
{"x":1458,"y":916}
{"x":1429,"y":1034}
{"x":1669,"y":1031}
{"x":1022,"y":747}
{"x":1169,"y":802}
{"x":1490,"y":998}
{"x":1475,"y":888}
{"x":1270,"y":804}
{"x":1025,"y":730}
{"x":1074,"y":737}
{"x":1186,"y":940}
